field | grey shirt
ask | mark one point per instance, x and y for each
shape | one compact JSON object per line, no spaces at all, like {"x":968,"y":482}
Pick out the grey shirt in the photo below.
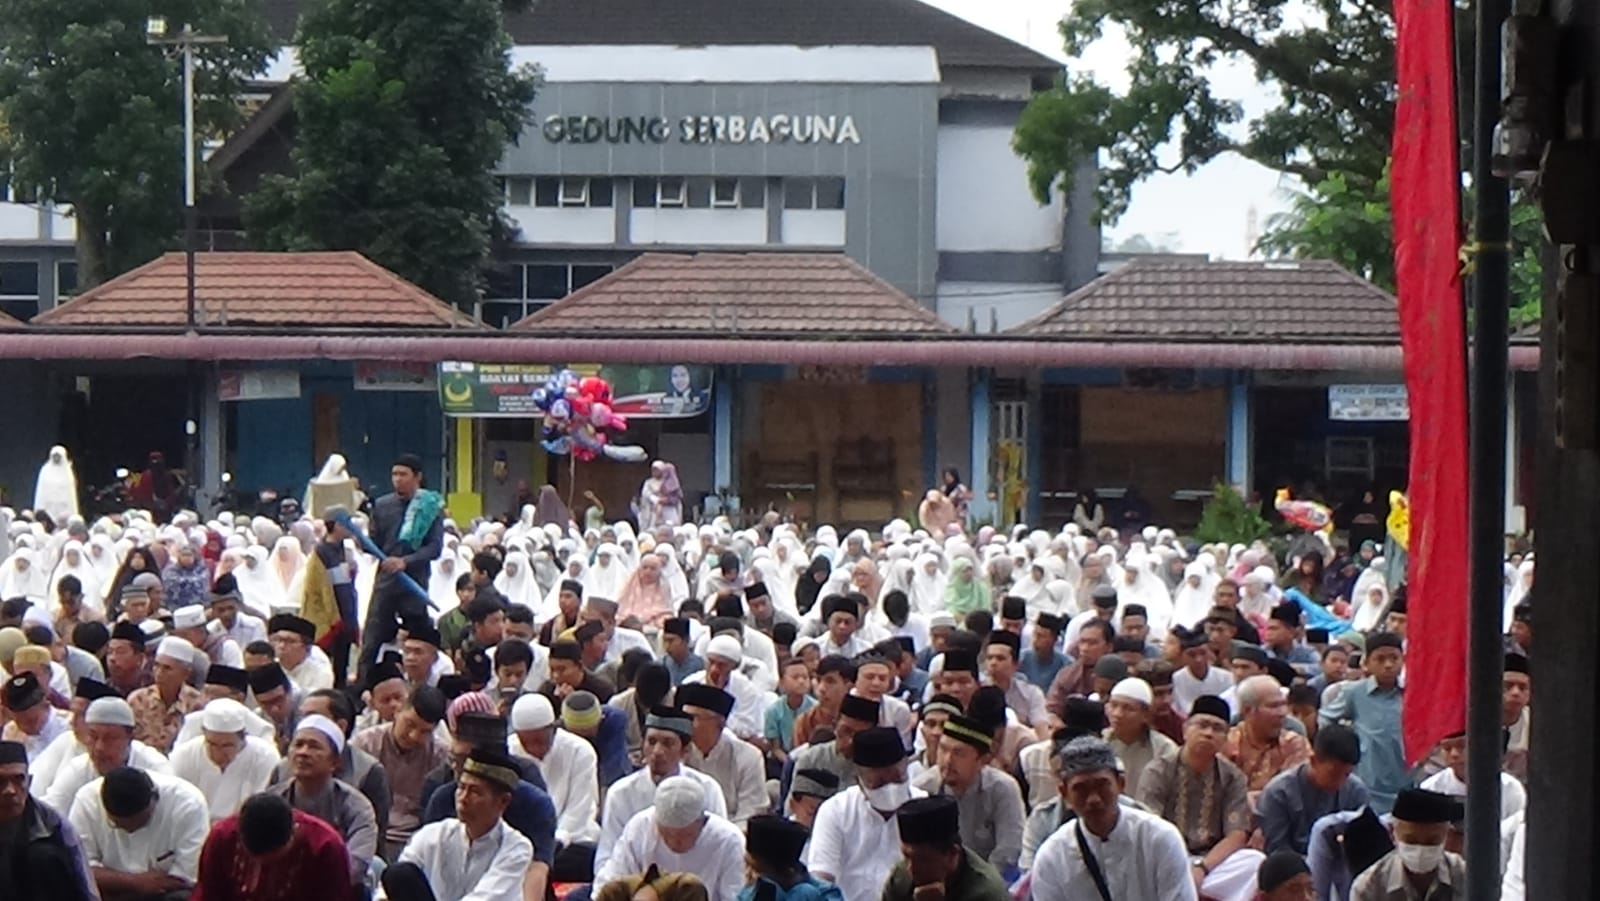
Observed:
{"x":1290,"y":805}
{"x":992,"y":815}
{"x":347,"y":811}
{"x":1386,"y":880}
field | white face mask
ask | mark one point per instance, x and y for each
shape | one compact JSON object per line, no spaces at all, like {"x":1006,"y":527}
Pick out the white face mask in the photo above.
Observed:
{"x":1420,"y":858}
{"x":888,"y":797}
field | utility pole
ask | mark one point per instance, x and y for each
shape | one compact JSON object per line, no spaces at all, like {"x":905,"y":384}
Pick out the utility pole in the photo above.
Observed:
{"x":185,"y":42}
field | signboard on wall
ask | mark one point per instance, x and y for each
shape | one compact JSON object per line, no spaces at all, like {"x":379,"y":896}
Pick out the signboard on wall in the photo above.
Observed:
{"x":484,"y":390}
{"x":395,"y":376}
{"x":258,"y":384}
{"x":1368,"y":403}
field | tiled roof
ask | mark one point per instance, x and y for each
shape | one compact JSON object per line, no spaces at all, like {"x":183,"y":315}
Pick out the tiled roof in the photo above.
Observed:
{"x":703,"y":23}
{"x":1304,"y":301}
{"x":334,"y":289}
{"x":818,"y":295}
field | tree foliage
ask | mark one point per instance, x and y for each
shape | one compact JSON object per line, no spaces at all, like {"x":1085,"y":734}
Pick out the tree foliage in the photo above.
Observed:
{"x":1330,"y":61}
{"x":404,"y":110}
{"x":93,"y":113}
{"x":1332,"y":222}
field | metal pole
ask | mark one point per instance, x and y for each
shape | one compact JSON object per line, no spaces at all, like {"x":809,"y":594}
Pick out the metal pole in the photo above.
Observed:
{"x":189,"y":237}
{"x":1490,"y":301}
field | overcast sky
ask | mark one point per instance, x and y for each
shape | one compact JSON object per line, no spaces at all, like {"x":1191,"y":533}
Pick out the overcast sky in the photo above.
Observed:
{"x":1207,"y":212}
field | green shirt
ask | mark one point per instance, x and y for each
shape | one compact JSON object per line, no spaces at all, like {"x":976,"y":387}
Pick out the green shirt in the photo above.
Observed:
{"x":453,"y":629}
{"x":975,"y":880}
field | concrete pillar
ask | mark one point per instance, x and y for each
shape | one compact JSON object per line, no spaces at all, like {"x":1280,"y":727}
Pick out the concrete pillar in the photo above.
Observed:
{"x":722,"y":431}
{"x":978,"y":476}
{"x":1239,"y":432}
{"x":211,"y":462}
{"x":1516,"y":520}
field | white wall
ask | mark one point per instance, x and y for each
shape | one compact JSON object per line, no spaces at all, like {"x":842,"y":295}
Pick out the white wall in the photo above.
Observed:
{"x":983,"y":196}
{"x":564,"y":225}
{"x":994,"y":303}
{"x":712,"y":227}
{"x":19,"y":222}
{"x":813,"y":228}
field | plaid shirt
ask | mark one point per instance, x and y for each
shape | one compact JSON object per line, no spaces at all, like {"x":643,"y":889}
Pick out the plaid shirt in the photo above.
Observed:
{"x":157,"y":723}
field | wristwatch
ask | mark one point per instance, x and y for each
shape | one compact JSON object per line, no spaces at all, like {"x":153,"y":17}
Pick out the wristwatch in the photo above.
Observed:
{"x":1199,"y":861}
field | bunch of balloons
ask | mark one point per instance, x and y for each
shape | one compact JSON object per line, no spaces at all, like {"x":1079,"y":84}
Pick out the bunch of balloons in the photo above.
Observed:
{"x":578,"y":419}
{"x":1308,"y":515}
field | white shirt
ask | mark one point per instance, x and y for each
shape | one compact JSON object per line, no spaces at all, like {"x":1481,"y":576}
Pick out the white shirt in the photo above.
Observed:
{"x":637,"y":791}
{"x":749,"y":703}
{"x":55,"y":725}
{"x":225,"y":790}
{"x":1513,"y":797}
{"x":855,"y":647}
{"x":43,"y":768}
{"x":538,"y":672}
{"x":569,"y":771}
{"x":853,"y":845}
{"x":79,"y":771}
{"x":625,"y":640}
{"x":256,"y":725}
{"x":1144,"y":858}
{"x":246,"y":629}
{"x":170,"y":843}
{"x":738,"y":767}
{"x":717,"y":856}
{"x":489,"y":869}
{"x":312,"y":675}
{"x":1186,"y":689}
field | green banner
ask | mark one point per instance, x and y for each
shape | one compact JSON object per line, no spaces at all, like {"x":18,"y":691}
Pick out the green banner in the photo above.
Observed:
{"x":506,"y":389}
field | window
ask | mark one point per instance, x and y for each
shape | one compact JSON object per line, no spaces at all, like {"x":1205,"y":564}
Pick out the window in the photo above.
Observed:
{"x":725,"y":192}
{"x":586,"y":275}
{"x":66,"y":278}
{"x":19,"y":289}
{"x":548,"y":282}
{"x":547,"y":192}
{"x":574,"y":192}
{"x":514,"y":291}
{"x":519,"y":191}
{"x":503,"y":282}
{"x":826,"y":193}
{"x":701,"y":192}
{"x":672,"y":192}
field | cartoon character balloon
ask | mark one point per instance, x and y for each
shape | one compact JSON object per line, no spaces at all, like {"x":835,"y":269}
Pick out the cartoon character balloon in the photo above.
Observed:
{"x":578,"y":419}
{"x":1308,"y":515}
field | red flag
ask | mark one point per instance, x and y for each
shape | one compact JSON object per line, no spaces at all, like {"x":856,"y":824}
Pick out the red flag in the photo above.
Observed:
{"x":1426,"y":193}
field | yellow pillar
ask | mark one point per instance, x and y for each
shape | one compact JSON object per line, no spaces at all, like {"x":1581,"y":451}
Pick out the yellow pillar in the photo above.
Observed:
{"x":465,"y":502}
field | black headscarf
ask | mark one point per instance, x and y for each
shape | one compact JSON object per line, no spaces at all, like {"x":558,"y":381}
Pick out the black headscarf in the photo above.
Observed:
{"x":805,"y":593}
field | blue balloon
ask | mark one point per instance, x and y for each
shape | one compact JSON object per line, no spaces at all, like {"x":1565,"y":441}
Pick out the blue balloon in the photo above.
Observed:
{"x":567,"y":378}
{"x":541,"y":398}
{"x":560,"y":409}
{"x":560,"y":447}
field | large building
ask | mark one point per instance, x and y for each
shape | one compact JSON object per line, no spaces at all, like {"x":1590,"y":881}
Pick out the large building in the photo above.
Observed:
{"x":798,"y":235}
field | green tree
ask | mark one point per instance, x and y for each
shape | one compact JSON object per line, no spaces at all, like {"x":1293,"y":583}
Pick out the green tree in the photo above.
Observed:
{"x":1332,"y":65}
{"x":93,"y":116}
{"x":405,"y":108}
{"x":1230,"y":519}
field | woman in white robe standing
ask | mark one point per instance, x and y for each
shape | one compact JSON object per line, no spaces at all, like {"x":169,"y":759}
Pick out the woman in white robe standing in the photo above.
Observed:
{"x":55,"y":491}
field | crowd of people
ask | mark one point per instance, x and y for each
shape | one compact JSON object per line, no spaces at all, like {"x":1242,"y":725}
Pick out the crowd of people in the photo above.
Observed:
{"x":538,"y":708}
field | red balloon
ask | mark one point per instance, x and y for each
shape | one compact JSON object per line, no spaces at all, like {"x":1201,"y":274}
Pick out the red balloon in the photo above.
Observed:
{"x":596,"y":389}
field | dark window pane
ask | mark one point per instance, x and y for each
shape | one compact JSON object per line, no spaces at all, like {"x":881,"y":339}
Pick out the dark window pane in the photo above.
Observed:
{"x":519,"y":191}
{"x":19,"y":280}
{"x":503,"y":282}
{"x":830,"y":193}
{"x":67,"y":278}
{"x":752,"y":193}
{"x":670,"y":192}
{"x":501,"y":313}
{"x":700,"y":193}
{"x":547,"y":192}
{"x":797,"y":193}
{"x":644,"y":193}
{"x":547,"y":282}
{"x":599,"y":192}
{"x":584,"y":275}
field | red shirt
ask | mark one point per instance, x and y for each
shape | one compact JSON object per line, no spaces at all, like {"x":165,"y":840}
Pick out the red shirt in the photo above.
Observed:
{"x":228,"y":873}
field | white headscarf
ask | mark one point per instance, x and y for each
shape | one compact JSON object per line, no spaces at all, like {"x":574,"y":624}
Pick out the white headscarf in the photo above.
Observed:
{"x":927,"y":590}
{"x":1520,"y":587}
{"x":83,"y":571}
{"x":606,"y":578}
{"x":16,"y":582}
{"x":1369,"y":612}
{"x":1192,"y":601}
{"x":258,"y":584}
{"x":442,"y":577}
{"x":516,"y":581}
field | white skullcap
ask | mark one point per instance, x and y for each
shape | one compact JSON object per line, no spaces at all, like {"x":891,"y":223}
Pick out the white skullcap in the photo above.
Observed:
{"x":224,"y":715}
{"x":189,"y":617}
{"x":680,"y":802}
{"x":727,"y":647}
{"x":152,"y":629}
{"x":329,"y":729}
{"x":532,"y":712}
{"x":941,"y":619}
{"x":178,"y":649}
{"x":802,"y":643}
{"x":109,"y":712}
{"x":1134,"y":689}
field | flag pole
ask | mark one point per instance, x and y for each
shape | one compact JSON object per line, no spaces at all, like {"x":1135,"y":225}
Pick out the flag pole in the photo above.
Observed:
{"x":1489,"y":251}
